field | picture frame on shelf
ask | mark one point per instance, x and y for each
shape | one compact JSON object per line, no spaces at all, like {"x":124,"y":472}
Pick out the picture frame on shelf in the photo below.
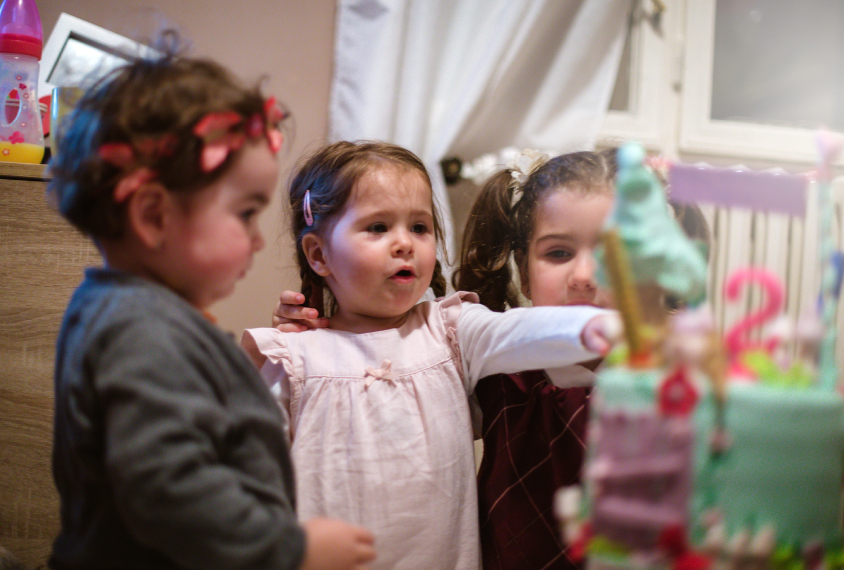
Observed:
{"x":79,"y":52}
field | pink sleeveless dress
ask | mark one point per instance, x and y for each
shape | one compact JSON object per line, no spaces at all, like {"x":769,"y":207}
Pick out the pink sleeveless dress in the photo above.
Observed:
{"x":381,"y":433}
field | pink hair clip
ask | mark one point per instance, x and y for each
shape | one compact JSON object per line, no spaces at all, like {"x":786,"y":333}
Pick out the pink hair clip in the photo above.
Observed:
{"x":306,"y":207}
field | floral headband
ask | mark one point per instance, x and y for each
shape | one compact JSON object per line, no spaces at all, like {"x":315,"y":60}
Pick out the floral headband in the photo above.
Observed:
{"x":221,"y":134}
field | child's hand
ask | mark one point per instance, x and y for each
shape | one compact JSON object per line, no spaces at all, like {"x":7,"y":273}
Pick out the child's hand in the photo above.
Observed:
{"x":289,"y":316}
{"x":332,"y":544}
{"x":601,"y":333}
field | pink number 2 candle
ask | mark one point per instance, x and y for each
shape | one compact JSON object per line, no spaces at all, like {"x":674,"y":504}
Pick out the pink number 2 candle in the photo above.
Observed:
{"x":736,"y":338}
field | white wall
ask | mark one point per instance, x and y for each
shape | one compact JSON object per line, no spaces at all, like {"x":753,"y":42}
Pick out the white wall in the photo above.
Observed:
{"x":291,"y":42}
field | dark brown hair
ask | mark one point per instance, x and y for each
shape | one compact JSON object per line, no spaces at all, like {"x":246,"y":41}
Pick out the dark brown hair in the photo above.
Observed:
{"x":145,"y":100}
{"x":330,"y":175}
{"x":500,"y":226}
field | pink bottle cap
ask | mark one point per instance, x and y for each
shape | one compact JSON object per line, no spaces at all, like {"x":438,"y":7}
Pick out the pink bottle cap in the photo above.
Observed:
{"x":20,"y":28}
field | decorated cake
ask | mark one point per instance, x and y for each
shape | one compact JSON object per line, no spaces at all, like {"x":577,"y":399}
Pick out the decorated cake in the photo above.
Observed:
{"x":708,"y":449}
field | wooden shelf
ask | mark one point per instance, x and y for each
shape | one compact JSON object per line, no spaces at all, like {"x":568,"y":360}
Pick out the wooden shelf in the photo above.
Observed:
{"x":23,"y":171}
{"x":41,"y":260}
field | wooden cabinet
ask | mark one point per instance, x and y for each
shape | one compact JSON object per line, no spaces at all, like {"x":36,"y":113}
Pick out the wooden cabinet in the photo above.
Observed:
{"x":41,"y":262}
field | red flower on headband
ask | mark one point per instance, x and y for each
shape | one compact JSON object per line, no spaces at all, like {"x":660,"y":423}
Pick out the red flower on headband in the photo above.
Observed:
{"x":221,"y":133}
{"x":162,"y":146}
{"x":274,"y":115}
{"x":215,"y":129}
{"x":117,"y":154}
{"x":131,"y":182}
{"x":215,"y":152}
{"x":255,"y":126}
{"x":273,"y":112}
{"x":214,"y":126}
{"x":275,"y":138}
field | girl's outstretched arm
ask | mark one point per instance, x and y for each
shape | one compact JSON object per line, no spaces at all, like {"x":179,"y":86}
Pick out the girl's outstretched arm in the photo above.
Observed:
{"x":530,"y":338}
{"x":601,"y":333}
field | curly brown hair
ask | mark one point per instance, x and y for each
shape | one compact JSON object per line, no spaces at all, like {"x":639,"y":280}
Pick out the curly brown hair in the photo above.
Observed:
{"x":147,"y":99}
{"x":330,"y":174}
{"x":498,"y":228}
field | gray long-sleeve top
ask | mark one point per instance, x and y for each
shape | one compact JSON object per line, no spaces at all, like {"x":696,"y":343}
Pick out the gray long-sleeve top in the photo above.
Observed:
{"x":168,"y":450}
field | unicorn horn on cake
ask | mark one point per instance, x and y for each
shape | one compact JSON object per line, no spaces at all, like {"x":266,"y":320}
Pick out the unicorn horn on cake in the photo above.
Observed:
{"x":641,"y":230}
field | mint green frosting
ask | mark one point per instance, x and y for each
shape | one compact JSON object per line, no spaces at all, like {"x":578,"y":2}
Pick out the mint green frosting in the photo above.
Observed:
{"x":785,"y":466}
{"x":657,"y":248}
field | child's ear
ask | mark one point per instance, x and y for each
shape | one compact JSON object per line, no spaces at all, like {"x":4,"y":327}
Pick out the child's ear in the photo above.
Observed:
{"x":147,"y":213}
{"x":314,"y":248}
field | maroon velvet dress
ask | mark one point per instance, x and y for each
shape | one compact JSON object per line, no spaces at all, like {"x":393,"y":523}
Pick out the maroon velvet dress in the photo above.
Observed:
{"x":534,"y":443}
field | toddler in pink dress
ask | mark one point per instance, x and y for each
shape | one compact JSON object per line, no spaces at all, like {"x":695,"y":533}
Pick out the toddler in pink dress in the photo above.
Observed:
{"x":378,"y":403}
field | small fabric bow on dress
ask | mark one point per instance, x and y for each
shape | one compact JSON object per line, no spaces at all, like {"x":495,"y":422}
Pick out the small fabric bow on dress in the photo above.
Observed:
{"x":221,"y":134}
{"x":383,"y":373}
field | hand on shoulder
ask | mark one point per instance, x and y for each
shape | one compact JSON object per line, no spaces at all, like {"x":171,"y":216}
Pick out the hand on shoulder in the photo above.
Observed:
{"x":290,"y":316}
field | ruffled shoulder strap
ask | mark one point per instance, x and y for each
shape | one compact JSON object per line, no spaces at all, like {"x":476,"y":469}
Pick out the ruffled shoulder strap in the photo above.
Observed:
{"x":270,"y":342}
{"x":273,"y":344}
{"x":449,"y":309}
{"x":451,"y":306}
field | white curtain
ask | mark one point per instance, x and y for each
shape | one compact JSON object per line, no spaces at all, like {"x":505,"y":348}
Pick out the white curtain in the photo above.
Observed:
{"x":468,"y":77}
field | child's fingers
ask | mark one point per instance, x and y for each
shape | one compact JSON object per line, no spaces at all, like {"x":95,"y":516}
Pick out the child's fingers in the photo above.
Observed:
{"x":365,"y":546}
{"x":294,"y":312}
{"x":365,"y":536}
{"x":366,"y":553}
{"x":287,"y":326}
{"x":601,"y":333}
{"x":289,"y":297}
{"x":288,"y":301}
{"x":594,"y":342}
{"x":299,"y":325}
{"x":290,"y":316}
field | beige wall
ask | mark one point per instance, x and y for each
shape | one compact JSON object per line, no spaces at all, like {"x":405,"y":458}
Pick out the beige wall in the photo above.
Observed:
{"x":291,"y":42}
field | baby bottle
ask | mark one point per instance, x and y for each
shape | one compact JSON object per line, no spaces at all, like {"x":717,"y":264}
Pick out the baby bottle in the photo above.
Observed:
{"x":21,"y":134}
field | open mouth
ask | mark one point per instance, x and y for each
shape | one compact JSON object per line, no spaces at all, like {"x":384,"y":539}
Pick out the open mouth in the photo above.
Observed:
{"x":404,"y":275}
{"x":582,"y":302}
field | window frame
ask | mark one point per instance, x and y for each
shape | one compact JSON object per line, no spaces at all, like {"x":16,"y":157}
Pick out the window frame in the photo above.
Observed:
{"x":699,"y":134}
